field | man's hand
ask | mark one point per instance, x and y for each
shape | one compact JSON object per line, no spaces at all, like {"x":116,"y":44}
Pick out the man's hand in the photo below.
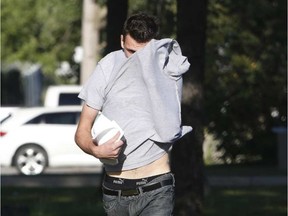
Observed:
{"x":110,"y":149}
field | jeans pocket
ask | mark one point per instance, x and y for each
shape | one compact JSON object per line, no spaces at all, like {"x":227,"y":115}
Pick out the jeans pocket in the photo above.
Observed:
{"x":161,"y":201}
{"x":109,"y":202}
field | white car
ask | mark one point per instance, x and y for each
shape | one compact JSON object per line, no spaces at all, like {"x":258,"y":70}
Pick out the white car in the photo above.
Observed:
{"x":6,"y":112}
{"x":35,"y":138}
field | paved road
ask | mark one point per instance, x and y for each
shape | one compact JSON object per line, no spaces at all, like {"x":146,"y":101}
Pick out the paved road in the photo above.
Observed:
{"x":59,"y":170}
{"x":91,"y":176}
{"x":56,"y":177}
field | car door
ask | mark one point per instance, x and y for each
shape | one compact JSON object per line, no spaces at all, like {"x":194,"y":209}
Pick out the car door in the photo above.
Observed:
{"x":58,"y":131}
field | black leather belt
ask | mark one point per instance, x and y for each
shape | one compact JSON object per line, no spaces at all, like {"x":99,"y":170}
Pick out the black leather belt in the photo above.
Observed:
{"x":137,"y":191}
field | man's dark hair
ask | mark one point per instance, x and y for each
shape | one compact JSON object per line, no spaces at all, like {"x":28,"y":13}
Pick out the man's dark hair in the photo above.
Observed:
{"x":141,"y":27}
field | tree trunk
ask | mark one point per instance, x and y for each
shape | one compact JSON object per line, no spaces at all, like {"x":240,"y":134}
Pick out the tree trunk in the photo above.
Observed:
{"x":187,"y":154}
{"x":90,"y":38}
{"x":117,"y":14}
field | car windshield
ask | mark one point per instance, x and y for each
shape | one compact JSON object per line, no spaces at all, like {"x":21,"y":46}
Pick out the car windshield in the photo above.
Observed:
{"x":6,"y":118}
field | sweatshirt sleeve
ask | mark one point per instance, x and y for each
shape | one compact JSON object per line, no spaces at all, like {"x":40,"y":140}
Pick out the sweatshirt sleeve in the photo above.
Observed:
{"x":162,"y":65}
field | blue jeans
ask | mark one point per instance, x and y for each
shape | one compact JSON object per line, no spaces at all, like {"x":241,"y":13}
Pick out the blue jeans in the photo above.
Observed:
{"x":158,"y":202}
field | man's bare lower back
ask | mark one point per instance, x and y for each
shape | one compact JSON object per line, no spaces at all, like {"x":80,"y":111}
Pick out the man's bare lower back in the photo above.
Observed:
{"x":157,"y":167}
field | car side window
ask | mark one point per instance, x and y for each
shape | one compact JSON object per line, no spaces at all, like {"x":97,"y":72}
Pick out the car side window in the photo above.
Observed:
{"x":69,"y":99}
{"x":69,"y":118}
{"x":36,"y":120}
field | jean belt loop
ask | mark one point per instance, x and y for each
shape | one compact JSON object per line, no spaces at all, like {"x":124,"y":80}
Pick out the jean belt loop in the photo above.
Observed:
{"x":173,"y":177}
{"x":140,"y":190}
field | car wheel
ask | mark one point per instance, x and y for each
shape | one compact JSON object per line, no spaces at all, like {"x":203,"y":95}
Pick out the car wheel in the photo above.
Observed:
{"x":31,"y":160}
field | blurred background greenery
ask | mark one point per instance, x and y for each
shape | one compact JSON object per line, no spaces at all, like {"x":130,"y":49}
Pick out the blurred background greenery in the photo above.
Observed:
{"x":245,"y":71}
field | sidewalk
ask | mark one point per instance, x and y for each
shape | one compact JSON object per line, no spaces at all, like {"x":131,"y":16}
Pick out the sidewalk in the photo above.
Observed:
{"x":247,"y":180}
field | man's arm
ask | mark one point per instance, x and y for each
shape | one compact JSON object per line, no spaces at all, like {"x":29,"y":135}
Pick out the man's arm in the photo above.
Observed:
{"x":83,"y":137}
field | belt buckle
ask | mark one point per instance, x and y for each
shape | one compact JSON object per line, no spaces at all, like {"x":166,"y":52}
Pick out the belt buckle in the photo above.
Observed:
{"x":131,"y":192}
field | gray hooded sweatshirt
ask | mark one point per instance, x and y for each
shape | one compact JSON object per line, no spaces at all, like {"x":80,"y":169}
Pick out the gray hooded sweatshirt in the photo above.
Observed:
{"x":142,"y":94}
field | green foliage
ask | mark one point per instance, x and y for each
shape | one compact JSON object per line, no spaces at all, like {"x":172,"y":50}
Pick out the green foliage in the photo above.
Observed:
{"x":245,"y":76}
{"x":165,"y":10}
{"x":41,"y":31}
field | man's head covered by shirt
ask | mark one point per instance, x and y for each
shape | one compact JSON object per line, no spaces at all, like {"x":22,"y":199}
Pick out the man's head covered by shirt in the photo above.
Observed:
{"x":137,"y":31}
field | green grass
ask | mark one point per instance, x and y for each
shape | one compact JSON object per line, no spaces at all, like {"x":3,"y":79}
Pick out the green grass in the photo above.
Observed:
{"x":248,"y":201}
{"x":51,"y":201}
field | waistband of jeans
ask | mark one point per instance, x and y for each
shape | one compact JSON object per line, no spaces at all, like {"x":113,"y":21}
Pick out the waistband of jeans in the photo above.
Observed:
{"x":116,"y":183}
{"x":138,"y":190}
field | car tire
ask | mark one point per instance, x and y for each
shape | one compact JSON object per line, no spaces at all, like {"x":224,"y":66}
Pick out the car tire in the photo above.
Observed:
{"x":31,"y":159}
